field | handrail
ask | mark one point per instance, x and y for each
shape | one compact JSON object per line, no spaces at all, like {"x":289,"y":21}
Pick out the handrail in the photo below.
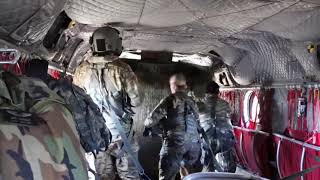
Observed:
{"x":303,"y":153}
{"x":278,"y":158}
{"x":314,"y":147}
{"x":273,"y":86}
{"x":251,"y":130}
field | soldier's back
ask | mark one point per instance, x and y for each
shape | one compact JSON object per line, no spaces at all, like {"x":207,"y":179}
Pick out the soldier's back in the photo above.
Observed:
{"x":180,"y":119}
{"x":222,"y":113}
{"x":45,"y":146}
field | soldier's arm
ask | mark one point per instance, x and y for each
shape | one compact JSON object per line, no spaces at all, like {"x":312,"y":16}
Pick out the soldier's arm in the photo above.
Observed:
{"x":228,"y":114}
{"x":131,"y":86}
{"x":159,"y":112}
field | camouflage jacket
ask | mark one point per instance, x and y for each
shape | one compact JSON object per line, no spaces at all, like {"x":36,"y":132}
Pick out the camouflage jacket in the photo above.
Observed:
{"x":214,"y":113}
{"x":100,"y":80}
{"x":46,"y":149}
{"x":177,"y":115}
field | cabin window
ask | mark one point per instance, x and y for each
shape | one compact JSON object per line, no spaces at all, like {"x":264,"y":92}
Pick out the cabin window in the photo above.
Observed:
{"x":251,"y":109}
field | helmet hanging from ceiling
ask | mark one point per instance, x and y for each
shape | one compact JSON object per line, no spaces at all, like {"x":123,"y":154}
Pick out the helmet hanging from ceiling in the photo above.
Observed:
{"x":106,"y":41}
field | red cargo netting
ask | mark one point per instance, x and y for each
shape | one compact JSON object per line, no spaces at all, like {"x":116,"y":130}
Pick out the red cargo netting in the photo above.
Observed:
{"x":294,"y":156}
{"x":253,"y":146}
{"x":231,"y":97}
{"x":303,"y":123}
{"x":253,"y":149}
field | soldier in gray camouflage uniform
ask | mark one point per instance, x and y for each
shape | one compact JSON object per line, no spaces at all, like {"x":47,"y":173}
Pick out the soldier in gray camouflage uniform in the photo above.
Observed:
{"x":104,"y":77}
{"x":215,"y":120}
{"x":177,"y":115}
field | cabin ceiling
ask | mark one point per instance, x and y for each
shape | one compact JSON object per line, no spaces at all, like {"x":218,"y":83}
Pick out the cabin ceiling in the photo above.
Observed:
{"x":260,"y":40}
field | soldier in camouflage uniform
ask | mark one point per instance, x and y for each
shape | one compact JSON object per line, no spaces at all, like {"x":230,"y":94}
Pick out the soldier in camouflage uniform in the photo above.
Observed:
{"x":215,"y":120}
{"x":38,"y":136}
{"x":177,"y":116}
{"x":106,"y":78}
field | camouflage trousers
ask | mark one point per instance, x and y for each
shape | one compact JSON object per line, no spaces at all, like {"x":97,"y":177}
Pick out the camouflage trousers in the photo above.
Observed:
{"x":115,"y":162}
{"x":222,"y":143}
{"x":173,"y":157}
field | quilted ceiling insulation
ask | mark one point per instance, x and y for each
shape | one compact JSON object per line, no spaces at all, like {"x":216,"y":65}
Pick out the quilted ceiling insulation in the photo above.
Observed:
{"x":260,"y":40}
{"x":26,"y":22}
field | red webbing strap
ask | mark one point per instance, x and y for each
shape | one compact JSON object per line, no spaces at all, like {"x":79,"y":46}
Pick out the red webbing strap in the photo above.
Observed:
{"x":309,"y":107}
{"x":291,"y":107}
{"x":236,"y":108}
{"x":315,"y":109}
{"x":294,"y":110}
{"x":309,"y":123}
{"x":265,"y":100}
{"x":249,"y":151}
{"x":264,"y":152}
{"x":241,"y":98}
{"x":316,"y":117}
{"x":239,"y":146}
{"x":301,"y":120}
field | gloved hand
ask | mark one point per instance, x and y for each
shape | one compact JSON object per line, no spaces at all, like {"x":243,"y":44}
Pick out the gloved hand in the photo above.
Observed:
{"x":147,"y":132}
